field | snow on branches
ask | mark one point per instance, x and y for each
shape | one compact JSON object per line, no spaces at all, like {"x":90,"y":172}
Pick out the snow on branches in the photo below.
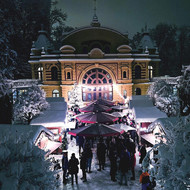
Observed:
{"x":29,"y":104}
{"x":23,"y":165}
{"x":172,"y":167}
{"x":75,"y":96}
{"x":162,"y":95}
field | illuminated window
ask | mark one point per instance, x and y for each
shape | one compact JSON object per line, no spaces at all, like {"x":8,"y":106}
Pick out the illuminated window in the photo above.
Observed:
{"x":125,"y":94}
{"x":54,"y":74}
{"x":137,"y":72}
{"x":98,"y":84}
{"x":150,"y":72}
{"x":55,"y":93}
{"x":40,"y":73}
{"x":69,"y":95}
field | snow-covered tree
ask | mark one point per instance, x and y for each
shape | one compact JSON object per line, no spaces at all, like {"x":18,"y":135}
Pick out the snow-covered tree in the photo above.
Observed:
{"x":75,"y":96}
{"x":172,"y":169}
{"x":184,"y":91}
{"x":23,"y":165}
{"x":29,"y":104}
{"x":170,"y":105}
{"x":159,"y":88}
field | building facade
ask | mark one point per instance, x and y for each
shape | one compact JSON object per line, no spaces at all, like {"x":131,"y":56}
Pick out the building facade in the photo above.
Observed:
{"x":97,"y":59}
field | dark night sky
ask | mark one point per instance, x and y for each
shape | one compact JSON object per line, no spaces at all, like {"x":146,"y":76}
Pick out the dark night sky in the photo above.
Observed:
{"x":127,"y":15}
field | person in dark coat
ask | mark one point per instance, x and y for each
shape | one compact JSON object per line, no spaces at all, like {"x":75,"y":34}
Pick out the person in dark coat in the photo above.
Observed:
{"x":73,"y":167}
{"x":101,"y":152}
{"x":124,"y":165}
{"x":142,"y":152}
{"x":89,"y":155}
{"x":80,"y":143}
{"x":83,"y":161}
{"x":65,"y":165}
{"x":113,"y":163}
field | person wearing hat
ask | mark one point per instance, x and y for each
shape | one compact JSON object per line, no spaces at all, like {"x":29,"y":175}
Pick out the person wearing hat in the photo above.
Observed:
{"x":65,"y":164}
{"x":73,"y":167}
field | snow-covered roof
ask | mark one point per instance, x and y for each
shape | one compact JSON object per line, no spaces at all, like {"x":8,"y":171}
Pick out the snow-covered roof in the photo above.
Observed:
{"x":140,"y":101}
{"x":146,"y":41}
{"x":147,"y":114}
{"x":43,"y":41}
{"x":166,"y":123}
{"x":54,"y":116}
{"x":17,"y":130}
{"x":144,"y":110}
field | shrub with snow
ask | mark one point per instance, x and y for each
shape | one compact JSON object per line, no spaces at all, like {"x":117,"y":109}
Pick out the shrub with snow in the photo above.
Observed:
{"x":29,"y":104}
{"x":23,"y":165}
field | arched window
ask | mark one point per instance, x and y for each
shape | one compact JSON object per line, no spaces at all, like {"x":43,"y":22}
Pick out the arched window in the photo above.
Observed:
{"x":40,"y":73}
{"x":137,"y":72}
{"x":98,"y":84}
{"x":125,"y":94}
{"x":138,"y":91}
{"x":55,"y":93}
{"x":124,"y":74}
{"x":68,"y":75}
{"x":54,"y":74}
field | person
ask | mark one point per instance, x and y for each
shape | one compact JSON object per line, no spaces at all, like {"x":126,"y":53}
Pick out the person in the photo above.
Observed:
{"x":124,"y":165}
{"x":80,"y":143}
{"x":142,"y":153}
{"x":83,"y":161}
{"x":145,"y":180}
{"x":89,"y":156}
{"x":73,"y":167}
{"x":101,"y":151}
{"x":65,"y":164}
{"x":113,"y":165}
{"x":132,"y":150}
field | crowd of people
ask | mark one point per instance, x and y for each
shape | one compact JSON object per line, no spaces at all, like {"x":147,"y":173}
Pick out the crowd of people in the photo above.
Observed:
{"x":119,"y":150}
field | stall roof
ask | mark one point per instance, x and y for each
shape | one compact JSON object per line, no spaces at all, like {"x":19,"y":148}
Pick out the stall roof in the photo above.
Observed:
{"x":147,"y":114}
{"x":54,"y":116}
{"x":35,"y":131}
{"x":140,"y":101}
{"x":144,"y":110}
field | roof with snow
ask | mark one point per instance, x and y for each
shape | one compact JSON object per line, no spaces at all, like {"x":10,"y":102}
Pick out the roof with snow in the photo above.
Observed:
{"x":43,"y":41}
{"x":54,"y":116}
{"x":167,"y":123}
{"x":146,"y":41}
{"x":17,"y":130}
{"x":144,"y":110}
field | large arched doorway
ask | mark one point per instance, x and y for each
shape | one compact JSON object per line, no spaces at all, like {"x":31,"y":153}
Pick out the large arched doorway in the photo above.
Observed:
{"x":97,"y":84}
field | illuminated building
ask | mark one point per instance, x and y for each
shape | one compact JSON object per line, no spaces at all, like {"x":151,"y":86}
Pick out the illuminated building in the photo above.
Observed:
{"x":99,"y":60}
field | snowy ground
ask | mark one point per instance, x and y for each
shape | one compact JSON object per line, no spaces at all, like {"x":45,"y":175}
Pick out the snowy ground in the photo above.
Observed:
{"x":99,"y":179}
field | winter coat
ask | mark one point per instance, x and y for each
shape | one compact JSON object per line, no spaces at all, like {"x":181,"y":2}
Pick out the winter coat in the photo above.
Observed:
{"x":124,"y":163}
{"x":83,"y":162}
{"x":113,"y":165}
{"x":142,"y":153}
{"x":65,"y":163}
{"x":144,"y":179}
{"x":88,"y":152}
{"x":73,"y":165}
{"x":101,"y":150}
